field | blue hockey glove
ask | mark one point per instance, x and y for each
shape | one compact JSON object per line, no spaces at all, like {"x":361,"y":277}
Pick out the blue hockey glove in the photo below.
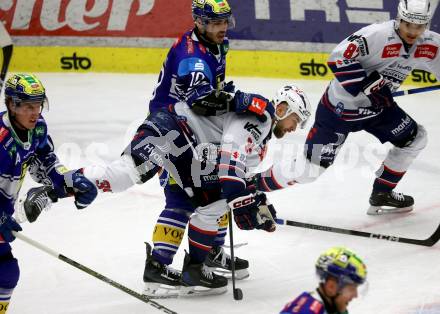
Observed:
{"x":253,"y":103}
{"x":376,"y":89}
{"x":82,"y":188}
{"x":7,"y":225}
{"x":229,"y":87}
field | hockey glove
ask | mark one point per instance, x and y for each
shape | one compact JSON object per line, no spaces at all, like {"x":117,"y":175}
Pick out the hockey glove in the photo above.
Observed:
{"x":245,"y":208}
{"x":377,"y":91}
{"x":7,"y":225}
{"x":253,"y":103}
{"x":82,"y":188}
{"x":36,"y":200}
{"x":266,"y":214}
{"x":229,"y":87}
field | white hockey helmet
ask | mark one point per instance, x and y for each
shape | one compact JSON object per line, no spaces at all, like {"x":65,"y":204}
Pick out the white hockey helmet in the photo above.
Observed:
{"x":414,"y":11}
{"x":297,"y":103}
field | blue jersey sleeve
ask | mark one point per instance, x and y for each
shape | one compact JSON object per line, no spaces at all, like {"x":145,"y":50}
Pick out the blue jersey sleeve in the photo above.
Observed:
{"x":46,"y":168}
{"x":304,"y":304}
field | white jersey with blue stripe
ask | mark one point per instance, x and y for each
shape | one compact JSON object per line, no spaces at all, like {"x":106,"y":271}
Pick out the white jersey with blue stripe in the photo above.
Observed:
{"x":377,"y":47}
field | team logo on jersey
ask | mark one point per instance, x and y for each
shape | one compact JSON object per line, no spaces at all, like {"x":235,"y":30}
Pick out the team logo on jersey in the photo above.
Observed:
{"x":426,"y":51}
{"x":3,"y":133}
{"x":391,"y":51}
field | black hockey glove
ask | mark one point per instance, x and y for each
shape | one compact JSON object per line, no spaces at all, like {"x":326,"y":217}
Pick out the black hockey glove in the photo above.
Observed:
{"x":252,"y":103}
{"x":266,"y":214}
{"x":36,"y":200}
{"x":7,"y":225}
{"x":377,"y":91}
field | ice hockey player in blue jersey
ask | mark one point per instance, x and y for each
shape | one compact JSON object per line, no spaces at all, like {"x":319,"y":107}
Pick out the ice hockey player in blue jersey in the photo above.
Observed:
{"x":368,"y":66}
{"x":25,"y":145}
{"x":194,"y":72}
{"x":340,"y":273}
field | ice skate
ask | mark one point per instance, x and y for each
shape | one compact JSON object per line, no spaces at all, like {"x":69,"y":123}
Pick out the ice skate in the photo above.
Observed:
{"x":198,"y":279}
{"x":389,"y":203}
{"x":220,"y":262}
{"x":161,"y":281}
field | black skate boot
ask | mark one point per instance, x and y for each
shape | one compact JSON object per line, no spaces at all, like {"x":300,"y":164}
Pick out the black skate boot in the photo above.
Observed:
{"x":161,"y":281}
{"x":389,"y":203}
{"x":198,"y":279}
{"x":220,"y":262}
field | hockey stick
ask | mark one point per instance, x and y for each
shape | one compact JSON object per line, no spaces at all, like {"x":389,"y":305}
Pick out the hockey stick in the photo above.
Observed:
{"x":416,"y":90}
{"x":237,"y":292}
{"x":92,"y":273}
{"x":430,"y":241}
{"x":6,"y":45}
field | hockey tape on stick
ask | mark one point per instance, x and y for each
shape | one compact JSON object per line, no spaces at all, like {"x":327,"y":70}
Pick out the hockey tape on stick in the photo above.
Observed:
{"x":416,"y":90}
{"x":93,"y":273}
{"x":430,"y":241}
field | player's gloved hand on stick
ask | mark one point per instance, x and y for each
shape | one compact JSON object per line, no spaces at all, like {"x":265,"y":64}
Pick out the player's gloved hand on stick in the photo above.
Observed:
{"x":251,"y":211}
{"x":34,"y":202}
{"x":7,"y":225}
{"x":82,"y":188}
{"x":253,"y":103}
{"x":229,"y":87}
{"x":377,"y":90}
{"x":266,"y":214}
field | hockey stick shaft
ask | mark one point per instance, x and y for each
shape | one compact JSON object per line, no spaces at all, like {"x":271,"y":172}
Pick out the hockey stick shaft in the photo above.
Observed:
{"x":6,"y":45}
{"x":433,"y":239}
{"x":416,"y":90}
{"x":237,"y":294}
{"x":91,"y":272}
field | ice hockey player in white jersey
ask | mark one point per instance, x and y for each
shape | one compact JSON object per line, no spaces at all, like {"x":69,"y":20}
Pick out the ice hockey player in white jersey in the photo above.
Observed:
{"x":368,"y":66}
{"x":210,"y":158}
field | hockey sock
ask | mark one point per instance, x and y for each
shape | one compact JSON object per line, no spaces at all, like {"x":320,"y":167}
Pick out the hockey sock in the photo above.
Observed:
{"x":200,"y":242}
{"x":387,"y":179}
{"x":3,"y":306}
{"x":168,"y":234}
{"x":222,"y":229}
{"x":5,"y":296}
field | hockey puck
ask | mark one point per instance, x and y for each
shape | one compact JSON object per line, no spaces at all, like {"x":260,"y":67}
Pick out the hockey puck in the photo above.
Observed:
{"x":238,"y":294}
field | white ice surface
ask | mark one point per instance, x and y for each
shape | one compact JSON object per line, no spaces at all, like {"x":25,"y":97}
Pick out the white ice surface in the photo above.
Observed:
{"x":91,"y":118}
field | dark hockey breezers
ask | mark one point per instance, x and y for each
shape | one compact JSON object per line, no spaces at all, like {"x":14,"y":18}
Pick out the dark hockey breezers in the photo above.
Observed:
{"x":389,"y":203}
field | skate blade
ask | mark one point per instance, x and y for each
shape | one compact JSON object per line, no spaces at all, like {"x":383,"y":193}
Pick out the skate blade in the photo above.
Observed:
{"x":240,"y":274}
{"x":384,"y":210}
{"x":193,"y":291}
{"x":155,"y":290}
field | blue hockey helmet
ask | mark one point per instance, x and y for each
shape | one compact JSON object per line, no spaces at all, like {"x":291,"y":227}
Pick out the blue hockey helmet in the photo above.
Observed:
{"x":25,"y":88}
{"x":341,"y":264}
{"x":212,"y":10}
